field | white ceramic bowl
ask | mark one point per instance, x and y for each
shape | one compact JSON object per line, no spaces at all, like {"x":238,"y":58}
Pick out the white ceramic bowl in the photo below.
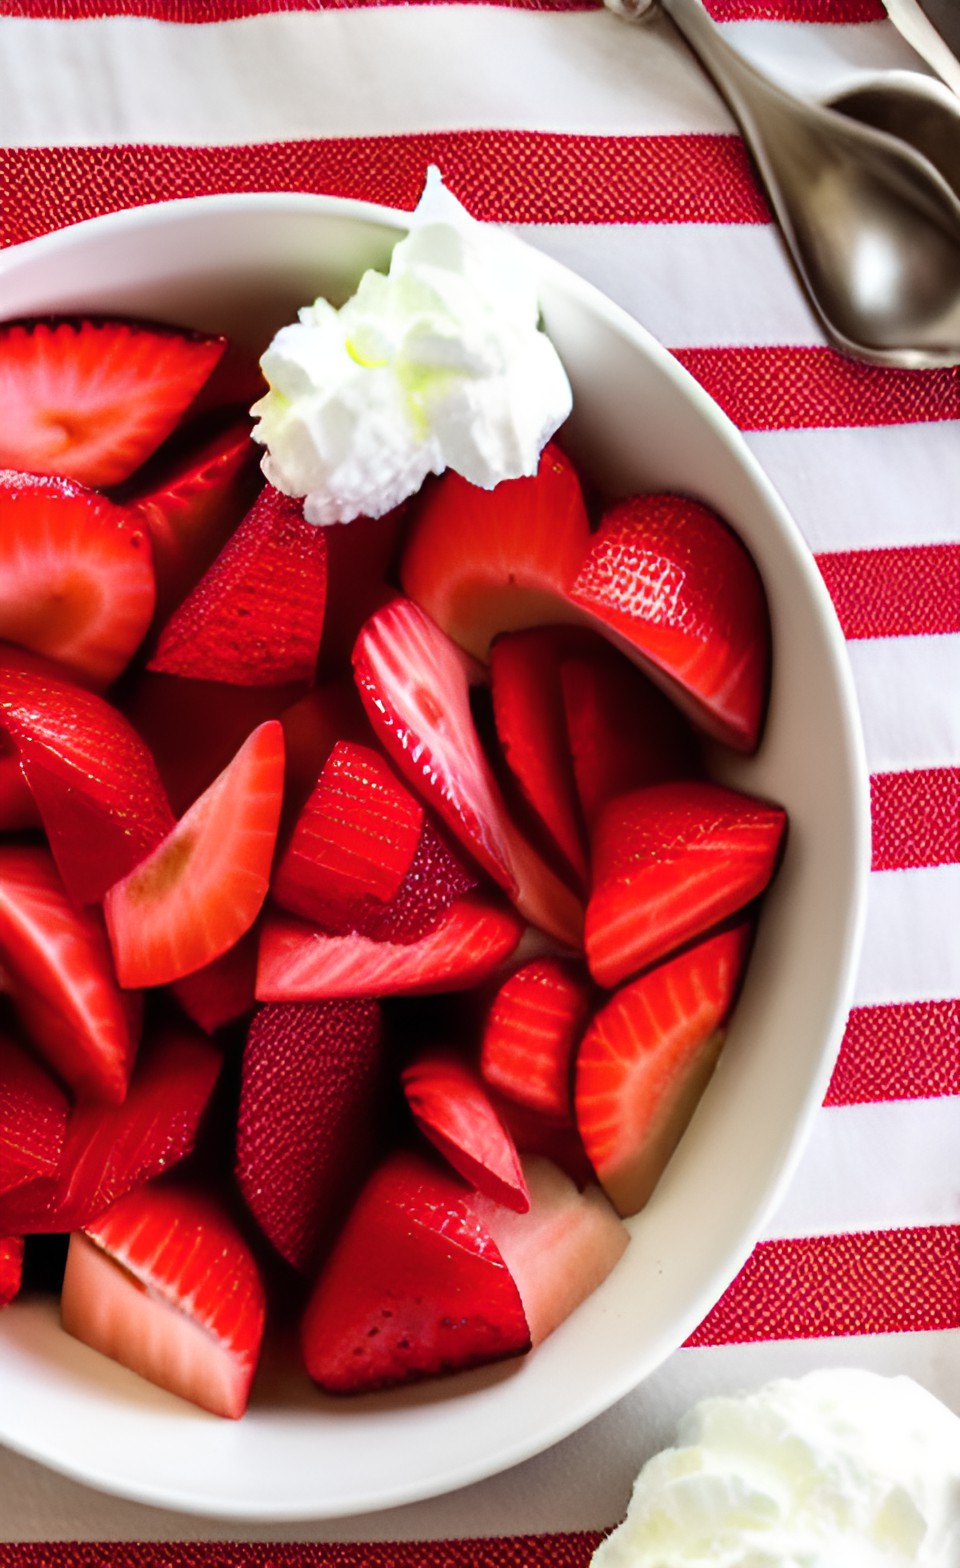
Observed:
{"x":243,"y":265}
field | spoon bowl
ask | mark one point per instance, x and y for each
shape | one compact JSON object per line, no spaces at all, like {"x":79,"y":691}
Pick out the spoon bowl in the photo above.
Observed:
{"x":916,"y":109}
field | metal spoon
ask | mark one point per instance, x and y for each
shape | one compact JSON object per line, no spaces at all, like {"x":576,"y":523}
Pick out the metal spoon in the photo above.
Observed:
{"x":917,"y":109}
{"x":873,"y":228}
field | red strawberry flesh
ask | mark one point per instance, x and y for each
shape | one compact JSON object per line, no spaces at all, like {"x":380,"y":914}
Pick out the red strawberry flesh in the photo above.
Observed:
{"x":33,"y":1118}
{"x":11,"y":1267}
{"x":532,"y":1030}
{"x":452,"y":1108}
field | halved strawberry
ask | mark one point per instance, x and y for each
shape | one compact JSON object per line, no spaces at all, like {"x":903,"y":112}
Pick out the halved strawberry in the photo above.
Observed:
{"x":531,"y":725}
{"x":190,"y":502}
{"x":414,"y":1286}
{"x":202,"y":887}
{"x":487,"y":561}
{"x":307,"y":1128}
{"x":622,"y":731}
{"x":545,"y":1136}
{"x":33,"y":1118}
{"x":91,"y":399}
{"x":452,"y":1108}
{"x":94,"y":782}
{"x":312,"y":725}
{"x":76,"y":575}
{"x":646,"y":1060}
{"x":222,"y":991}
{"x":255,"y":618}
{"x":360,"y":565}
{"x":55,"y":963}
{"x":355,"y":838}
{"x":11,"y":1267}
{"x":532,"y":1030}
{"x":674,"y":587}
{"x":415,"y":685}
{"x":164,"y":1283}
{"x":301,"y":964}
{"x":110,"y":1149}
{"x":669,"y":862}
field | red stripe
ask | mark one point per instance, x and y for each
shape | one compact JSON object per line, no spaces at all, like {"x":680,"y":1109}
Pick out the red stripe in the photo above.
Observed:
{"x":842,"y":11}
{"x":502,"y":176}
{"x":569,"y":1550}
{"x":916,"y":819}
{"x":912,"y":590}
{"x":868,"y":1282}
{"x":907,"y":1051}
{"x":812,"y":388}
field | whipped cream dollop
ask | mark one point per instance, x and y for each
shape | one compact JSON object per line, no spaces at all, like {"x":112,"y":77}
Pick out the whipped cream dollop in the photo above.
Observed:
{"x":438,"y":364}
{"x":838,"y":1469}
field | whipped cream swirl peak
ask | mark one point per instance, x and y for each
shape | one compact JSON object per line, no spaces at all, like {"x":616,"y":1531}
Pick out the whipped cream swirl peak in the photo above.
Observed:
{"x":838,"y":1469}
{"x":439,"y":363}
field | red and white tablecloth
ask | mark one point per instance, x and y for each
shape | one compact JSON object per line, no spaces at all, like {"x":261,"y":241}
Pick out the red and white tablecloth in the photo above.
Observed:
{"x":605,"y":146}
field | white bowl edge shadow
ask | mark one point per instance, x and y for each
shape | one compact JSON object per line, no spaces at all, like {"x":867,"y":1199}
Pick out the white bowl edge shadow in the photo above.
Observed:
{"x":244,"y":264}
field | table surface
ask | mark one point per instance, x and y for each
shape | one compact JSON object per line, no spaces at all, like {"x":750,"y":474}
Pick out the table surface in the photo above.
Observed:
{"x":606,"y":147}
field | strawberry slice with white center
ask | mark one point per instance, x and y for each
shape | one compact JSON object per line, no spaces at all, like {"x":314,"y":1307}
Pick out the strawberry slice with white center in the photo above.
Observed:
{"x":414,"y":1286}
{"x":301,"y":964}
{"x":91,"y":399}
{"x":675,"y":589}
{"x":531,"y":725}
{"x":532,"y":1030}
{"x":415,"y":685}
{"x":355,"y":838}
{"x":646,"y":1060}
{"x":487,"y":561}
{"x":307,"y":1128}
{"x":452,"y":1108}
{"x":164,"y":1283}
{"x":190,"y":503}
{"x":55,"y":964}
{"x":560,"y":1250}
{"x":76,"y":575}
{"x":94,"y":781}
{"x":669,"y":862}
{"x":203,"y":886}
{"x":110,"y":1149}
{"x":622,"y":731}
{"x":255,"y":617}
{"x":33,"y":1118}
{"x":11,"y":1267}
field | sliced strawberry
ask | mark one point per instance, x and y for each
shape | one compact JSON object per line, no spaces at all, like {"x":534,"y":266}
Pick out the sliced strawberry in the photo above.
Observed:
{"x":194,"y":728}
{"x":531,"y":725}
{"x":55,"y":964}
{"x":415,"y":685}
{"x":256,"y":616}
{"x":18,"y":809}
{"x":222,"y":991}
{"x":301,"y":964}
{"x":487,"y":561}
{"x":414,"y":1286}
{"x":91,"y":399}
{"x":164,"y":1283}
{"x":669,"y":862}
{"x":361,"y":557}
{"x":531,"y":1033}
{"x":307,"y":1127}
{"x":646,"y":1060}
{"x":312,"y":725}
{"x":94,"y":782}
{"x":556,"y":1141}
{"x":111,"y":1149}
{"x":622,"y":731}
{"x":558,"y":1252}
{"x":202,"y":887}
{"x":190,"y":502}
{"x":33,"y":1118}
{"x":676,"y":589}
{"x":452,"y":1108}
{"x":76,"y":575}
{"x":11,"y":1267}
{"x":355,"y":838}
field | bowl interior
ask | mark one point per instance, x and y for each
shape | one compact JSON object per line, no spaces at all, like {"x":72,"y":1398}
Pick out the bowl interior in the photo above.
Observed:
{"x":243,"y":265}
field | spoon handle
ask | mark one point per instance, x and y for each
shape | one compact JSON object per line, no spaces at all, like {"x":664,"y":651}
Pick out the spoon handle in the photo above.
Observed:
{"x":736,"y":80}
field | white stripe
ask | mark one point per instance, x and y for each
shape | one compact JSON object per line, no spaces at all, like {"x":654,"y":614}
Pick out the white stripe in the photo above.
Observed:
{"x":867,"y":488}
{"x":841,"y":1185}
{"x":910,"y":949}
{"x":908,"y":689}
{"x":817,"y":60}
{"x":369,"y":71}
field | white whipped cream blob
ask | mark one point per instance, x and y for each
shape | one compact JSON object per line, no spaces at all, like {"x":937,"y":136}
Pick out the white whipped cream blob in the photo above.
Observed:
{"x":438,"y":364}
{"x":838,"y":1469}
